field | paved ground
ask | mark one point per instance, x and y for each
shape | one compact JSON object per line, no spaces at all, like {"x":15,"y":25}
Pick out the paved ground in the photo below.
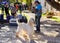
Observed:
{"x":50,"y":29}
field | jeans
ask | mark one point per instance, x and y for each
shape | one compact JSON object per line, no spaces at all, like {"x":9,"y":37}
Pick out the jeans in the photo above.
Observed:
{"x":37,"y":21}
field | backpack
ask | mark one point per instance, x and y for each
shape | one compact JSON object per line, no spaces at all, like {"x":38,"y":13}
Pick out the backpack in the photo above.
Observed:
{"x":22,"y":19}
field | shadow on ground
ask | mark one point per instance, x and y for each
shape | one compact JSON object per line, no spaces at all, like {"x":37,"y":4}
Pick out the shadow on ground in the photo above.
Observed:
{"x":50,"y":26}
{"x":46,"y":26}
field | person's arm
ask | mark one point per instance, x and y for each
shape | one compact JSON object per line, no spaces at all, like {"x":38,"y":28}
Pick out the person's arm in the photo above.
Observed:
{"x":41,"y":11}
{"x":34,"y":10}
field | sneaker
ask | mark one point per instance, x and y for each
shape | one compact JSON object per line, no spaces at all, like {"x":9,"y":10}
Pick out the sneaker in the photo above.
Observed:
{"x":37,"y":31}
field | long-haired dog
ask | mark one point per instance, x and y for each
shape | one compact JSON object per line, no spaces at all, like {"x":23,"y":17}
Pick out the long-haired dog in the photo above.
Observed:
{"x":25,"y":31}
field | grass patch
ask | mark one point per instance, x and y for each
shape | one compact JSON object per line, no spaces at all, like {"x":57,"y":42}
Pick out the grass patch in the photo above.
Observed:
{"x":56,"y":19}
{"x":43,"y":14}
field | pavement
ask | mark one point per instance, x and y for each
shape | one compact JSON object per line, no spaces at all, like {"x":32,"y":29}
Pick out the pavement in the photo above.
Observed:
{"x":49,"y":28}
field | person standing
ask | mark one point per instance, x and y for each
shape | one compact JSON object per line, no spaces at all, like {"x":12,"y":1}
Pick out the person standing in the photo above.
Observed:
{"x":6,"y":9}
{"x":38,"y":12}
{"x":13,"y":10}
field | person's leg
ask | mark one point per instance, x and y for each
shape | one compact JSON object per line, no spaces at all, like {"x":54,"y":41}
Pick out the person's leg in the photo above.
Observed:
{"x":7,"y":13}
{"x":7,"y":16}
{"x":36,"y":20}
{"x":38,"y":24}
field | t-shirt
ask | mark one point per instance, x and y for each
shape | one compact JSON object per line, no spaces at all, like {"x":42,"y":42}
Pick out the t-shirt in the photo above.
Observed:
{"x":38,"y":7}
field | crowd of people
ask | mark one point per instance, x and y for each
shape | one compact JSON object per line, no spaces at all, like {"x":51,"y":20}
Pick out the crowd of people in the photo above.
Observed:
{"x":14,"y":7}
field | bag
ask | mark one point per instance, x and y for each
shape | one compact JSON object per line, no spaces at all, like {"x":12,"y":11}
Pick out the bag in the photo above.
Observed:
{"x":20,"y":18}
{"x":13,"y":22}
{"x":24,"y":19}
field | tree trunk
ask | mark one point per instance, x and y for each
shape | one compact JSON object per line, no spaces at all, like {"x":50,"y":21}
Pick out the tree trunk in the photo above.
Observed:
{"x":54,"y":4}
